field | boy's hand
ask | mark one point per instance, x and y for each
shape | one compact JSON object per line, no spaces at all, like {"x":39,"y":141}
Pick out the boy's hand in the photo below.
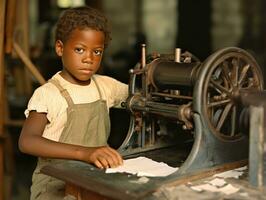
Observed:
{"x":104,"y":157}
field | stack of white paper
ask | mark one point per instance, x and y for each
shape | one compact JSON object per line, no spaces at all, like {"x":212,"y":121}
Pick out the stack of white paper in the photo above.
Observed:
{"x":142,"y":166}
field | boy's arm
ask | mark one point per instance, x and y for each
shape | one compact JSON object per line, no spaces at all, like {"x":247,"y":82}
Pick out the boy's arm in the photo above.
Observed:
{"x":32,"y":142}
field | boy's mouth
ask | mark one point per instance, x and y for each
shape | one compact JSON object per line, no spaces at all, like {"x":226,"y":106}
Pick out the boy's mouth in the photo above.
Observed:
{"x":86,"y":71}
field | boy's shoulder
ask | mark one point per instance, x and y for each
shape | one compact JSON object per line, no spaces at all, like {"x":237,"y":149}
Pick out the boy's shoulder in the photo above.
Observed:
{"x":47,"y":89}
{"x":105,"y":79}
{"x":49,"y":86}
{"x":101,"y":77}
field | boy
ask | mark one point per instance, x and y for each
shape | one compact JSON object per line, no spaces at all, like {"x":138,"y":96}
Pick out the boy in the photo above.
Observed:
{"x":67,"y":118}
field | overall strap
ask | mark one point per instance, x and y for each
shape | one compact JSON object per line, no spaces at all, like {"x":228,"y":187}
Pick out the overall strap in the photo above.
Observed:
{"x":63,"y":91}
{"x":99,"y":91}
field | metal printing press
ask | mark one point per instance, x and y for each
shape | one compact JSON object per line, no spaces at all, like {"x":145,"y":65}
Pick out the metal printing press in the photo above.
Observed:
{"x":193,"y":108}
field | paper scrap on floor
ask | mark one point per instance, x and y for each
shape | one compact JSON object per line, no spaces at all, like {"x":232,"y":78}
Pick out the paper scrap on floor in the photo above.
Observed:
{"x":230,"y":174}
{"x":227,"y":189}
{"x":217,"y":182}
{"x":235,"y":173}
{"x":142,"y":166}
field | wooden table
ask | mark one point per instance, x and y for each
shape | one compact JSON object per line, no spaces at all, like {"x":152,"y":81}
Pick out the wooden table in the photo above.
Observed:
{"x":88,"y":182}
{"x":84,"y":181}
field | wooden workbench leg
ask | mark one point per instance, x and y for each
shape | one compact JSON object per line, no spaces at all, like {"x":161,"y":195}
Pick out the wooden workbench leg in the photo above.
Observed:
{"x":83,"y":194}
{"x":73,"y":191}
{"x":1,"y":170}
{"x":2,"y":28}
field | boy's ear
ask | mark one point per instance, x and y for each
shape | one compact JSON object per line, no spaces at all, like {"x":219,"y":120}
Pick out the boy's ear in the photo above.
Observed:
{"x":59,"y":47}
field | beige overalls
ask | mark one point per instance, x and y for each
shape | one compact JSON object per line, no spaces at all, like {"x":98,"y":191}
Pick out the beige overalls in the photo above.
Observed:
{"x":88,"y":125}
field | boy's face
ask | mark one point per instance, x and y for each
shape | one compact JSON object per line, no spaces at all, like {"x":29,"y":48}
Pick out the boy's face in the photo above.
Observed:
{"x":81,"y":55}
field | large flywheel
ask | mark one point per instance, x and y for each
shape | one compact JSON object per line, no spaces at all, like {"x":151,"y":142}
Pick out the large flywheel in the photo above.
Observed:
{"x":221,"y":79}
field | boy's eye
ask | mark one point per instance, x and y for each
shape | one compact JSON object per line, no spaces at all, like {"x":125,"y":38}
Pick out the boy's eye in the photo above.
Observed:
{"x":98,"y":52}
{"x":79,"y":50}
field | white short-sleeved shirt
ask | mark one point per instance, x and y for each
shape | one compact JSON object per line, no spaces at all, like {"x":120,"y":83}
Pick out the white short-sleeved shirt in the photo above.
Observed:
{"x":47,"y":99}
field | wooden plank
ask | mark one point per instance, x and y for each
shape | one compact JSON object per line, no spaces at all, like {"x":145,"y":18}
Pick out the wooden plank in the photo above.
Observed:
{"x":2,"y":72}
{"x":85,"y":177}
{"x":91,"y":179}
{"x":14,"y":122}
{"x":29,"y":64}
{"x":204,"y":173}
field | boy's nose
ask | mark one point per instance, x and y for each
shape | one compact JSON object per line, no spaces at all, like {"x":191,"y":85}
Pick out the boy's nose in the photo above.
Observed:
{"x":88,"y":58}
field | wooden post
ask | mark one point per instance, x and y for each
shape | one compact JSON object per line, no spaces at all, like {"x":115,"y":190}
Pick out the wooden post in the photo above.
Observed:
{"x":26,"y":43}
{"x":10,"y":23}
{"x":22,"y":38}
{"x":256,"y":146}
{"x":2,"y":72}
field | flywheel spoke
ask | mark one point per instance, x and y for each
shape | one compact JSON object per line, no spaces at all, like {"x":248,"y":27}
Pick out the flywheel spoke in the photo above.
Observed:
{"x":235,"y":62}
{"x":226,"y":73}
{"x":243,"y":74}
{"x":223,"y":116}
{"x":215,"y":85}
{"x":218,"y":103}
{"x":233,"y":121}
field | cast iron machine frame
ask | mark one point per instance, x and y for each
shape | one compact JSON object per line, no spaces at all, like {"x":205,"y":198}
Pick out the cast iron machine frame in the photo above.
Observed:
{"x":176,"y":95}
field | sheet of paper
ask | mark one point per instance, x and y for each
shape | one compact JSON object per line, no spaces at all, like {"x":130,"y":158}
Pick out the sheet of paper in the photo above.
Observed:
{"x":241,"y":168}
{"x":217,"y":182}
{"x":206,"y":187}
{"x":228,"y":189}
{"x":235,"y":173}
{"x":217,"y":185}
{"x":229,"y":174}
{"x":142,"y":166}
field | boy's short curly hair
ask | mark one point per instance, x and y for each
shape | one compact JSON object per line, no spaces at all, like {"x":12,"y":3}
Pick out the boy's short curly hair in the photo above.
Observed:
{"x":81,"y":18}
